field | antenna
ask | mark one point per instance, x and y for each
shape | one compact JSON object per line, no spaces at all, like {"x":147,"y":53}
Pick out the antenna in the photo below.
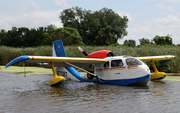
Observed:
{"x":123,"y":53}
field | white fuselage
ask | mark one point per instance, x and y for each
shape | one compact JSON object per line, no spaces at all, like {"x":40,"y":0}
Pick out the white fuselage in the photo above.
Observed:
{"x":122,"y":68}
{"x":119,"y":70}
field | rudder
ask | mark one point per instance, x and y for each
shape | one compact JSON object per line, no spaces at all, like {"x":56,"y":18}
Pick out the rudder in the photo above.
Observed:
{"x":58,"y":49}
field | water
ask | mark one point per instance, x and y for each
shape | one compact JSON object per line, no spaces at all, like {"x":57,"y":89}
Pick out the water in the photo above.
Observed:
{"x":32,"y":94}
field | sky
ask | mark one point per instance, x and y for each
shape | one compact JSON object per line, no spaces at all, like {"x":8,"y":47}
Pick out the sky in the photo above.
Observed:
{"x":147,"y":18}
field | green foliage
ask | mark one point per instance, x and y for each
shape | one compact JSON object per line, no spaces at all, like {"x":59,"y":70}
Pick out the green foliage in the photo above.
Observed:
{"x":70,"y":36}
{"x":47,"y":39}
{"x":130,"y":43}
{"x":163,"y":40}
{"x":9,"y":53}
{"x":144,"y":41}
{"x":24,"y":37}
{"x":95,"y":27}
{"x":105,"y":37}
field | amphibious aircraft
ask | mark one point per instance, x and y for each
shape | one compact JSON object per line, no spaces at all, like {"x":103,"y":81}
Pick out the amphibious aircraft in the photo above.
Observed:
{"x":105,"y":67}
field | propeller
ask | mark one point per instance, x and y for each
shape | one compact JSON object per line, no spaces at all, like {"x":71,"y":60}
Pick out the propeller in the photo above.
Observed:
{"x":82,"y":51}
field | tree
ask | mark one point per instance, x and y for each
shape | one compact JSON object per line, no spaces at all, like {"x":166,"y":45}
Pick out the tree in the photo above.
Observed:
{"x":70,"y":36}
{"x":2,"y":34}
{"x":101,"y":37}
{"x":163,"y":40}
{"x":24,"y":37}
{"x":144,"y":41}
{"x":130,"y":43}
{"x":91,"y":25}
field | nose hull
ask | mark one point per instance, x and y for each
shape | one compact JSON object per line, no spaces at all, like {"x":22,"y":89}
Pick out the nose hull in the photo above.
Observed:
{"x":140,"y":83}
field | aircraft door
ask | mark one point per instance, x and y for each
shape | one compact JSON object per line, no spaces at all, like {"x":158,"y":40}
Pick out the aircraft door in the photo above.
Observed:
{"x":118,"y":69}
{"x":106,"y":70}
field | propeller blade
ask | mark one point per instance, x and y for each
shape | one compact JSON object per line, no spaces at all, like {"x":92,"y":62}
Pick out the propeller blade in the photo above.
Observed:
{"x":82,"y":51}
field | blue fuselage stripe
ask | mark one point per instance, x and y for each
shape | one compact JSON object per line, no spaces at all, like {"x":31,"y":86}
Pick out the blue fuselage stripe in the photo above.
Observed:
{"x":127,"y":81}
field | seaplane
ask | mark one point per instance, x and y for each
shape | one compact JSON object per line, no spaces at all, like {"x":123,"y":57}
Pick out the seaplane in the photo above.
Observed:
{"x":103,"y":67}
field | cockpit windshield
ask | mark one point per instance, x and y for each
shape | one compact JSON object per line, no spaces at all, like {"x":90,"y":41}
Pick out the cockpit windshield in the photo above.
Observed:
{"x":133,"y":61}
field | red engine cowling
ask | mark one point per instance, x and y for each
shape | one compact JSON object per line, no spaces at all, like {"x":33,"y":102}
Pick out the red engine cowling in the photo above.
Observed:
{"x":100,"y":54}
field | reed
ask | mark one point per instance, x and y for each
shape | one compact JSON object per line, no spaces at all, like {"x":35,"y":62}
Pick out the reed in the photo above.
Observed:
{"x":9,"y":53}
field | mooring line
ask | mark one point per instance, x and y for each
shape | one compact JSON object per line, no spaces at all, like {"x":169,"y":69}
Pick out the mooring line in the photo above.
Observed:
{"x":24,"y":70}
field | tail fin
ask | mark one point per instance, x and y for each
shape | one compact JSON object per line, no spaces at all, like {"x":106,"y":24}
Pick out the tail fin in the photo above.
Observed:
{"x":58,"y":49}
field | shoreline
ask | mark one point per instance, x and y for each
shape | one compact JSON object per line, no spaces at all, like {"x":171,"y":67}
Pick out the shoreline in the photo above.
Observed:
{"x":28,"y":70}
{"x":41,"y":70}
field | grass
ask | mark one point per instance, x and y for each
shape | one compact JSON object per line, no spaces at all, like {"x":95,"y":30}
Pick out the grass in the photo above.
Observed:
{"x":28,"y":70}
{"x":9,"y":53}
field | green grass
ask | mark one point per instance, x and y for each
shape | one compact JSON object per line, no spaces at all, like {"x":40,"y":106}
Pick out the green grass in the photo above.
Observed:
{"x":20,"y":71}
{"x":9,"y":53}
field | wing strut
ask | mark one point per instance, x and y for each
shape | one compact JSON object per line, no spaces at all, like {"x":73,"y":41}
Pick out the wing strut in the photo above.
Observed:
{"x":98,"y":77}
{"x":157,"y":75}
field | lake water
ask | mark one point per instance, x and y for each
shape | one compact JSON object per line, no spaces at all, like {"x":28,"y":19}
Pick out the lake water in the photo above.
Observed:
{"x":32,"y":94}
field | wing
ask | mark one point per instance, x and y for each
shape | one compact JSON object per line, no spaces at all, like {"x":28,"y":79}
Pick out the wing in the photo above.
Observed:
{"x":58,"y":61}
{"x":161,"y":59}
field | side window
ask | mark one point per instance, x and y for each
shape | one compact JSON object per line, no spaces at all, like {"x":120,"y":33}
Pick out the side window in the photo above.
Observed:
{"x":106,"y":64}
{"x":116,"y":63}
{"x":132,"y":61}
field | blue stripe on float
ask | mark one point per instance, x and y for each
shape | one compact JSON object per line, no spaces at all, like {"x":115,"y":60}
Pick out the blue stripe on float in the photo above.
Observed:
{"x":16,"y":60}
{"x":77,"y":74}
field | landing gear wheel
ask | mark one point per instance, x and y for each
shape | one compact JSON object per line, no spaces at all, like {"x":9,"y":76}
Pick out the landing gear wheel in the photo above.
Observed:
{"x":90,"y":77}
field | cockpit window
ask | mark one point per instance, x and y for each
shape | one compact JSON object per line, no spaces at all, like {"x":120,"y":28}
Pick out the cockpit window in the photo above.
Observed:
{"x":116,"y":63}
{"x":106,"y":64}
{"x":132,"y":61}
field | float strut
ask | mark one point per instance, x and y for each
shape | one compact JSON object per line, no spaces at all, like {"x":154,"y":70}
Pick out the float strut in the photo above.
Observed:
{"x":157,"y":75}
{"x":56,"y":80}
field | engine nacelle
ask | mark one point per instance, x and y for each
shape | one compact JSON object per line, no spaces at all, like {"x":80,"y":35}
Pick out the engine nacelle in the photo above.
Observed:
{"x":100,"y":54}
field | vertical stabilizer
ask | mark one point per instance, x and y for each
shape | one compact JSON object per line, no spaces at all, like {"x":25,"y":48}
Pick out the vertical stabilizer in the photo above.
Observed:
{"x":58,"y":49}
{"x":71,"y":73}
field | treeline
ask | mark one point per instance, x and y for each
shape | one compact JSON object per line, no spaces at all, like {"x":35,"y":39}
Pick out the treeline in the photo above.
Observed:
{"x":25,"y":37}
{"x":157,"y":40}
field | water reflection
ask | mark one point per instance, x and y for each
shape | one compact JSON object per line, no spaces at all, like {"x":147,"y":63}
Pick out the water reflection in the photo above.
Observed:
{"x":57,"y":91}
